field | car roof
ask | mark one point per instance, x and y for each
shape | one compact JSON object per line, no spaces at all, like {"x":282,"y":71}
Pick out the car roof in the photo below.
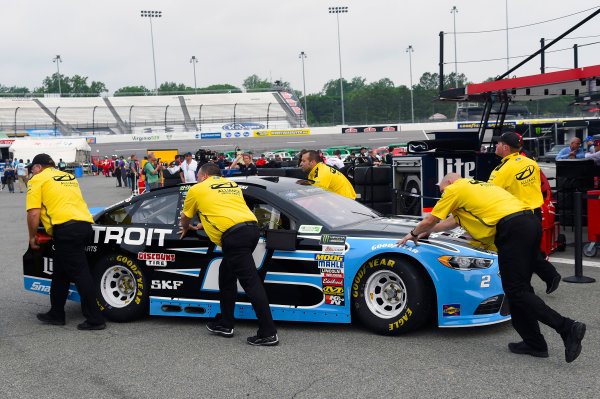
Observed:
{"x":275,"y":184}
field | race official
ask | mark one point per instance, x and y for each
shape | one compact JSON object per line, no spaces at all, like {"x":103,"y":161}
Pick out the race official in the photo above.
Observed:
{"x":229,"y":223}
{"x":54,"y":198}
{"x":489,"y":213}
{"x":520,"y":176}
{"x":325,"y":176}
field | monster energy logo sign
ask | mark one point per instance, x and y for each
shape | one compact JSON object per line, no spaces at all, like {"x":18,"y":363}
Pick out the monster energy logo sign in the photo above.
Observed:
{"x":333,"y":239}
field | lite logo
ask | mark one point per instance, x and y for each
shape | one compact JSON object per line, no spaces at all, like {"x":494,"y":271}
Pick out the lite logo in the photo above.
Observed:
{"x":455,"y":165}
{"x":48,"y":265}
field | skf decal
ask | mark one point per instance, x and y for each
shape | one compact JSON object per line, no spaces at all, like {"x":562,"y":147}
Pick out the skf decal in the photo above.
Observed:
{"x":451,"y":310}
{"x":130,"y":235}
{"x":165,"y":284}
{"x":156,"y":259}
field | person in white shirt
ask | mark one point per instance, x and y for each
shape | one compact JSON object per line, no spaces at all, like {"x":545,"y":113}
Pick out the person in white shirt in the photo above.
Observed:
{"x":188,"y":169}
{"x":596,"y":154}
{"x":336,"y":160}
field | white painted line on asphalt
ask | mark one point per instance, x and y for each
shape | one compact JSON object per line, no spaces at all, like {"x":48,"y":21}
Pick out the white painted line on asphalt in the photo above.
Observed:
{"x":425,"y":134}
{"x":572,"y":261}
{"x":301,"y":142}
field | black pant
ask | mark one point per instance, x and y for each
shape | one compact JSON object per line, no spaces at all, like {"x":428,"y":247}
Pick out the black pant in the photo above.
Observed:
{"x":118,"y":176}
{"x":238,"y":264}
{"x":70,"y":264}
{"x":518,"y":242}
{"x":544,"y":269}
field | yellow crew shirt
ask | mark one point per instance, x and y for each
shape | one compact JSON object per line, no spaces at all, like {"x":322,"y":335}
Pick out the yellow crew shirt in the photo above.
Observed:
{"x":477,"y":207}
{"x":58,"y":196}
{"x":221,"y":205}
{"x":520,"y":176}
{"x":331,"y":179}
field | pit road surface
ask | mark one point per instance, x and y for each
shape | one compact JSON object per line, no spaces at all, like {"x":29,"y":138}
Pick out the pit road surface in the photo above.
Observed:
{"x":161,"y":357}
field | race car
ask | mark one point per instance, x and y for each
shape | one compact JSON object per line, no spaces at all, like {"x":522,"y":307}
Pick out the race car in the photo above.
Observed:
{"x":322,"y":257}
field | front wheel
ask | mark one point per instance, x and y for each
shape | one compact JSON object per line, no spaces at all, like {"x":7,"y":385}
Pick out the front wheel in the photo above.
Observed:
{"x":390,"y":296}
{"x":122,"y":289}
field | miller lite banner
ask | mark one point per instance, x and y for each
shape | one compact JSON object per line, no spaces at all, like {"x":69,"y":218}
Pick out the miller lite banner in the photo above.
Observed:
{"x":371,"y":129}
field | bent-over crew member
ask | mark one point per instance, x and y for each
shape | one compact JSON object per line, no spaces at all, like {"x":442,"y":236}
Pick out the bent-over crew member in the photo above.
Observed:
{"x":488,"y":212}
{"x":325,"y":176}
{"x":54,"y":198}
{"x":520,"y":176}
{"x":230,"y":224}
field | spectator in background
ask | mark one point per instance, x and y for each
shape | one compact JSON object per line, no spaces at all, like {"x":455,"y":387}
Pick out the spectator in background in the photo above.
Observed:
{"x":152,"y":171}
{"x":261,"y":162}
{"x":596,"y":154}
{"x":336,"y":160}
{"x":61,"y":165}
{"x":134,"y":173}
{"x":573,"y":151}
{"x":9,"y":176}
{"x":218,"y":160}
{"x":275,"y":163}
{"x":125,"y":171}
{"x":21,"y":172}
{"x":177,"y":160}
{"x":117,"y":172}
{"x":361,"y":158}
{"x":373,"y":159}
{"x":589,"y":142}
{"x":246,"y":166}
{"x":188,"y":169}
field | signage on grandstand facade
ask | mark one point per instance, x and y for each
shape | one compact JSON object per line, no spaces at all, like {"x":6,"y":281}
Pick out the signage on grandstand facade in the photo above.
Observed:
{"x":275,"y":133}
{"x":371,"y":129}
{"x":243,"y":126}
{"x":476,"y":125}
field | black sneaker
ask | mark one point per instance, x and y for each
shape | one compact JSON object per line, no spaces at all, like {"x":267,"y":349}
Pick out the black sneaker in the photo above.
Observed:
{"x":48,"y":319}
{"x":521,"y":348}
{"x":215,"y":328}
{"x":572,"y":340}
{"x":553,"y":285}
{"x":86,"y":326}
{"x":264,"y":341}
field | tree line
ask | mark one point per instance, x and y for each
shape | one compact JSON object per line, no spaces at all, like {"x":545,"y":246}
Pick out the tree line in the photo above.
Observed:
{"x":364,"y":103}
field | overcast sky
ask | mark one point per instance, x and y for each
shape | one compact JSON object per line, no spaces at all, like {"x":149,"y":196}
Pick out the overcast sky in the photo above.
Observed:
{"x":108,"y":40}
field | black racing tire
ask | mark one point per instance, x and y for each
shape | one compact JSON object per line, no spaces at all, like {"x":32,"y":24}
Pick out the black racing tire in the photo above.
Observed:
{"x":390,"y":296}
{"x":411,"y":205}
{"x":122,"y":288}
{"x":561,"y":243}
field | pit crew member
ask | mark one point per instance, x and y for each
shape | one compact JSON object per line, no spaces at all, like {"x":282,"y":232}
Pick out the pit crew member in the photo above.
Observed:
{"x":230,"y":224}
{"x":55,"y":198}
{"x":488,"y":212}
{"x":325,"y":176}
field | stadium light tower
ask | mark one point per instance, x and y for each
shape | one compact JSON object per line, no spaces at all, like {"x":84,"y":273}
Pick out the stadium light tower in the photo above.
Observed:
{"x":409,"y":50}
{"x":337,"y":11}
{"x":150,"y":15}
{"x":58,"y":60}
{"x":303,"y":56}
{"x":454,"y":11}
{"x":194,"y":61}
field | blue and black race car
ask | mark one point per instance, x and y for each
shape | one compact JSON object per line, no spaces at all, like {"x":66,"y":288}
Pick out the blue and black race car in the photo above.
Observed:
{"x":323,"y":258}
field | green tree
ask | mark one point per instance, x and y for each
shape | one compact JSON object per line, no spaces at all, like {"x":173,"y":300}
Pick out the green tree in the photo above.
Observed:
{"x":222,"y":88}
{"x":172,"y":87}
{"x":13,"y":90}
{"x":98,"y":87}
{"x":254,"y":82}
{"x":132,"y":91}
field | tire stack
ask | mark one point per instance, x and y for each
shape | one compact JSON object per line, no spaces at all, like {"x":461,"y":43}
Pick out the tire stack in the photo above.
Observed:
{"x":373,"y":187}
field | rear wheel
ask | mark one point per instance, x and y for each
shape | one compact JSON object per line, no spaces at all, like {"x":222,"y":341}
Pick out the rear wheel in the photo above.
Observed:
{"x":122,"y":288}
{"x":390,"y":296}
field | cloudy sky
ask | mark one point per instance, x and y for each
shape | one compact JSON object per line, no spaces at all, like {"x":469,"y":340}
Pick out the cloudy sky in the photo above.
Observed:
{"x":108,"y":40}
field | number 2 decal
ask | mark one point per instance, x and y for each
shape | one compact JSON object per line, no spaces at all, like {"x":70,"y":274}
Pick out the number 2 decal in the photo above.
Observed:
{"x":485,"y":281}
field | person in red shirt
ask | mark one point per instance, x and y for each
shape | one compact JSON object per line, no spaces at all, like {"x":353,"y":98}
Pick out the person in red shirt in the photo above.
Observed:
{"x":261,"y":161}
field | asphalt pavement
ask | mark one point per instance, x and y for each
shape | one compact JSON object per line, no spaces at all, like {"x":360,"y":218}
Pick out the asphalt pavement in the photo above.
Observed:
{"x":171,"y":357}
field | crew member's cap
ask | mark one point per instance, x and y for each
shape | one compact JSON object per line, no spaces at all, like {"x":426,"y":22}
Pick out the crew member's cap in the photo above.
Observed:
{"x":511,"y":138}
{"x":589,"y":138}
{"x":42,"y":159}
{"x":187,"y":154}
{"x":597,"y":143}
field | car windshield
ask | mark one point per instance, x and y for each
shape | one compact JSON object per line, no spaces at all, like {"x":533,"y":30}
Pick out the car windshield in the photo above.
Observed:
{"x":334,"y":210}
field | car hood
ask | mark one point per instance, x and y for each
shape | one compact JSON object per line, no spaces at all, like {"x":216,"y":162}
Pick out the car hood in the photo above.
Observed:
{"x":398,"y":226}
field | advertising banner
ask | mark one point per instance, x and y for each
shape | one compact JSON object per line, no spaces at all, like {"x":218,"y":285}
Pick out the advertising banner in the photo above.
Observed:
{"x":216,"y":135}
{"x":275,"y":133}
{"x":475,"y":125}
{"x":370,"y":129}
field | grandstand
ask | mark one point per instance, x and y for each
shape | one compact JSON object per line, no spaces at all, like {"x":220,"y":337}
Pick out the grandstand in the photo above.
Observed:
{"x":146,"y":114}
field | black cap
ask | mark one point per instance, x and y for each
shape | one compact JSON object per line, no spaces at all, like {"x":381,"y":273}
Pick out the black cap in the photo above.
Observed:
{"x":187,"y":154}
{"x":42,"y":159}
{"x":511,"y":138}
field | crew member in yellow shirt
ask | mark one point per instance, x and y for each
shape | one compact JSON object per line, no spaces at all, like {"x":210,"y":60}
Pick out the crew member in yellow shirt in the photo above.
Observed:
{"x":54,"y":198}
{"x":491,"y":214}
{"x":520,"y":176}
{"x":229,"y":223}
{"x":325,"y":176}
